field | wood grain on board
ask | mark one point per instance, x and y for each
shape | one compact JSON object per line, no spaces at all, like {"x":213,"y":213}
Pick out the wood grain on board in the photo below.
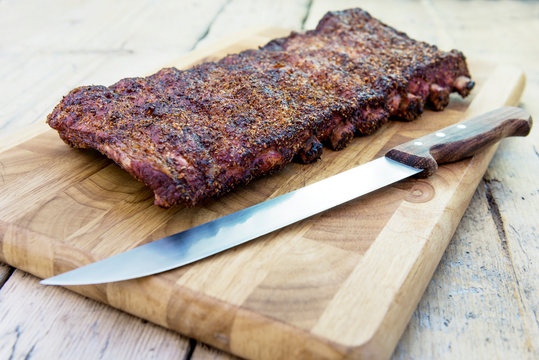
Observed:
{"x":340,"y":284}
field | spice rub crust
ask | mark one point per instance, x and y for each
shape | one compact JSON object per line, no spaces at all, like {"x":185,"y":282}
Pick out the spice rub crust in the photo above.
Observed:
{"x":198,"y":133}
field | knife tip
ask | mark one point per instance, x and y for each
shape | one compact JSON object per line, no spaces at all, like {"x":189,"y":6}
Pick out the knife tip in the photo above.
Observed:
{"x":57,"y":280}
{"x":48,"y":281}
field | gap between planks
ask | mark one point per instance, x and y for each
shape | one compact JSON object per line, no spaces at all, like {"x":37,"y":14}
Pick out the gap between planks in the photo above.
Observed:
{"x":5,"y":272}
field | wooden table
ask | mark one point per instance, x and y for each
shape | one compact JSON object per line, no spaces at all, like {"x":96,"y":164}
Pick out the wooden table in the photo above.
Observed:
{"x":483,"y":300}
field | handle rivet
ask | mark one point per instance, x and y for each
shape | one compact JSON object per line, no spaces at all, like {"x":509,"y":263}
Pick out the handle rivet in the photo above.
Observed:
{"x":440,"y":134}
{"x":461,"y":126}
{"x":418,"y":143}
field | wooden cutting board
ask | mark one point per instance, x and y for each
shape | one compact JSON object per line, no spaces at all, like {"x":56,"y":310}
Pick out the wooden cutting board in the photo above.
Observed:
{"x":342,"y":284}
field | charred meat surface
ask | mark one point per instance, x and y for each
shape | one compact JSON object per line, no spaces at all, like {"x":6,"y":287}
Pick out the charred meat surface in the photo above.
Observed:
{"x":197,"y":133}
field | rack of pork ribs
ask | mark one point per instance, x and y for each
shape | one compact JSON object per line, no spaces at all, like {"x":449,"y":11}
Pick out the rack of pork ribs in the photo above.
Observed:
{"x":197,"y":133}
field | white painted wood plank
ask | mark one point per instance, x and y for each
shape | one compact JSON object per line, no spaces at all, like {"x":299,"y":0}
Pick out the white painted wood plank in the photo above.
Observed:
{"x":47,"y":322}
{"x":55,"y":46}
{"x":238,"y":15}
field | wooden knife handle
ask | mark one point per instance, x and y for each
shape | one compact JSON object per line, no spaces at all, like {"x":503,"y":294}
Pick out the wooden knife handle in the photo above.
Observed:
{"x":461,"y":140}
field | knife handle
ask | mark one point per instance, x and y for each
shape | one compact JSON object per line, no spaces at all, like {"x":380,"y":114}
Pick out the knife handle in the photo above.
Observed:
{"x":461,"y":140}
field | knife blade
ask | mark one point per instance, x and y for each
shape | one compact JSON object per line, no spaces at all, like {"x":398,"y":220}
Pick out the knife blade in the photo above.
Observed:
{"x":419,"y":157}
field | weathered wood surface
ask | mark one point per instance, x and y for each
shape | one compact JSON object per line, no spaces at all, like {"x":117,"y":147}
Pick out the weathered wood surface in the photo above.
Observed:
{"x":482,"y":299}
{"x":345,"y":282}
{"x":106,"y":333}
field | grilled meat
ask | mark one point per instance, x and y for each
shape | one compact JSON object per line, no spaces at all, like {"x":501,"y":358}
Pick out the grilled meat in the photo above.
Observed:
{"x":197,"y":133}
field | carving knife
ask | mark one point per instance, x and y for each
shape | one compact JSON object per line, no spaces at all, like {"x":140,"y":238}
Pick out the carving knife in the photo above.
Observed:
{"x":419,"y":157}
